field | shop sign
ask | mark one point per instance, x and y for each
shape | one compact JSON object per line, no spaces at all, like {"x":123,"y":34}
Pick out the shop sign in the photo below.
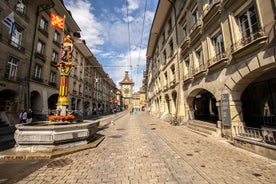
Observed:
{"x":225,"y":110}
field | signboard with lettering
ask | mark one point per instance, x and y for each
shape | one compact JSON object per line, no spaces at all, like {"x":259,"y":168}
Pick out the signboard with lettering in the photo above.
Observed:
{"x":225,"y":110}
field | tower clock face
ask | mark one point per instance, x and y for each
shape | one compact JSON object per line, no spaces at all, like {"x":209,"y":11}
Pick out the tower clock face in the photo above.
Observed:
{"x":126,"y":90}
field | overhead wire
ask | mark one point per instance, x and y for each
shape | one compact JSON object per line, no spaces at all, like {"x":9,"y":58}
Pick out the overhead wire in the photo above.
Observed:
{"x":142,"y":37}
{"x":129,"y":43}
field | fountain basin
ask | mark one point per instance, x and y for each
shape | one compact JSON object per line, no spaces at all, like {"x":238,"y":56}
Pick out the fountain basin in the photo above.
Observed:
{"x":48,"y":137}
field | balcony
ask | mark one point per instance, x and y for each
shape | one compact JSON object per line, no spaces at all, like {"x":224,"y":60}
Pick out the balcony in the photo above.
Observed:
{"x":22,"y":15}
{"x":12,"y":78}
{"x":199,"y":71}
{"x":165,"y":87}
{"x":196,"y":32}
{"x":17,"y":46}
{"x":185,"y":45}
{"x":44,"y":32}
{"x":249,"y":44}
{"x":56,"y":43}
{"x":211,"y":13}
{"x":40,"y":56}
{"x":173,"y":83}
{"x":38,"y":79}
{"x":188,"y":77}
{"x":217,"y":61}
{"x":53,"y":84}
{"x":53,"y":63}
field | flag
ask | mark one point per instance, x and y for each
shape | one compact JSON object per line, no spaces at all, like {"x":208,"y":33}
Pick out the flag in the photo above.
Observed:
{"x":57,"y":21}
{"x":9,"y":22}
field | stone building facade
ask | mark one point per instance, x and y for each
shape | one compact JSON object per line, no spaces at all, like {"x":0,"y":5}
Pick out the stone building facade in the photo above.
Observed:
{"x":214,"y":61}
{"x":29,"y":77}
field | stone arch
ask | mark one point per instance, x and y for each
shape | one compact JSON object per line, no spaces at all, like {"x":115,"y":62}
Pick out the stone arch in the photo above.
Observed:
{"x":202,"y":104}
{"x":167,"y":103}
{"x":174,"y":102}
{"x":8,"y":100}
{"x":244,"y":75}
{"x":52,"y":101}
{"x":36,"y":102}
{"x":259,"y":101}
{"x":78,"y":104}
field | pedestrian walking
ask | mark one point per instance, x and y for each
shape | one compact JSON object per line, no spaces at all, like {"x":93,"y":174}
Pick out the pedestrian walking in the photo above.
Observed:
{"x":23,"y":116}
{"x":29,"y":116}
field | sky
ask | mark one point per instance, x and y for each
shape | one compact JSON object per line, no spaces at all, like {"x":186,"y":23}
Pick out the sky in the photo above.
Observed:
{"x":117,"y":32}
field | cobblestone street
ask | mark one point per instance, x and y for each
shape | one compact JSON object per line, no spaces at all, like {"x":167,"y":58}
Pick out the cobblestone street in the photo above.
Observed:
{"x":143,"y":149}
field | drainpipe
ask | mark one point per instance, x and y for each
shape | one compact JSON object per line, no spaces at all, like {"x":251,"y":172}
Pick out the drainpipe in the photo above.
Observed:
{"x":177,"y":57}
{"x":44,"y":8}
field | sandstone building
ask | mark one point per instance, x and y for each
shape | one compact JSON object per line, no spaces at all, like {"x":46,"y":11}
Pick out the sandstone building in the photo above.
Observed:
{"x":213,"y":62}
{"x":29,"y":77}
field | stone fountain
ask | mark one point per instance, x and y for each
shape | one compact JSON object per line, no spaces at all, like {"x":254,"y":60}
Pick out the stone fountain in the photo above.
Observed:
{"x":61,"y":131}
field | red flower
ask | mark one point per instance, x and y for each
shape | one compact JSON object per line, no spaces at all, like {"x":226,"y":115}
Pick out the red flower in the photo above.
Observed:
{"x":69,"y":117}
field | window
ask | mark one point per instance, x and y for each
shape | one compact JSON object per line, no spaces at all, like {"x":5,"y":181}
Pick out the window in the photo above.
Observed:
{"x":248,"y":23}
{"x":11,"y":72}
{"x":218,"y":46}
{"x":53,"y":76}
{"x":210,"y":1}
{"x":171,"y":47}
{"x":195,"y":15}
{"x":20,"y":7}
{"x":163,"y":38}
{"x":56,"y":37}
{"x":54,"y":57}
{"x":187,"y":63}
{"x":165,"y":55}
{"x":16,"y":39}
{"x":184,"y":30}
{"x":199,"y":57}
{"x":166,"y":76}
{"x":43,"y":24}
{"x":173,"y":70}
{"x":170,"y":25}
{"x":40,"y":47}
{"x":37,"y":72}
{"x":80,"y":88}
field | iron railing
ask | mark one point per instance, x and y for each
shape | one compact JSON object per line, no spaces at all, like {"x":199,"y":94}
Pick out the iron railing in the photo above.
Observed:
{"x":267,"y":135}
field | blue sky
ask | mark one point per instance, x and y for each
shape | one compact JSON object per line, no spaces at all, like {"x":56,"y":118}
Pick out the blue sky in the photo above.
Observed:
{"x":105,"y":25}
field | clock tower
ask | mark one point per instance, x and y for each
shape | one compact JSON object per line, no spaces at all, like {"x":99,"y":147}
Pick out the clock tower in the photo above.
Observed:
{"x":126,"y":86}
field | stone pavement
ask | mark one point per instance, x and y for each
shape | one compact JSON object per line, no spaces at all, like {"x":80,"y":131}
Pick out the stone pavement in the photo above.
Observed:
{"x":146,"y":150}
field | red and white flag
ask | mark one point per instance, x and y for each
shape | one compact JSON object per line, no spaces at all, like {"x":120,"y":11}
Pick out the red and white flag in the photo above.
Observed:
{"x":57,"y":21}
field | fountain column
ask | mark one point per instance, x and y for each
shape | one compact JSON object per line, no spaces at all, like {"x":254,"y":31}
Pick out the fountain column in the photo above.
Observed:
{"x":64,"y":66}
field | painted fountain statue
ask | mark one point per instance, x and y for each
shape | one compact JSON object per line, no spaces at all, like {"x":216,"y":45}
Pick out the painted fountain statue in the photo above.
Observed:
{"x":61,"y":130}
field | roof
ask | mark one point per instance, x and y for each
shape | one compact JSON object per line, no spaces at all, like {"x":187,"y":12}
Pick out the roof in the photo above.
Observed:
{"x":160,"y":17}
{"x":126,"y":79}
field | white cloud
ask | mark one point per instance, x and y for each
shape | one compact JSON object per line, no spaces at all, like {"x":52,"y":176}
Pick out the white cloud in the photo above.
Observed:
{"x":91,"y":29}
{"x":108,"y":38}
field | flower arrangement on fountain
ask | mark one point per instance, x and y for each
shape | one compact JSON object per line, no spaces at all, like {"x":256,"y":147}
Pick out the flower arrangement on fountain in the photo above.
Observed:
{"x":59,"y":118}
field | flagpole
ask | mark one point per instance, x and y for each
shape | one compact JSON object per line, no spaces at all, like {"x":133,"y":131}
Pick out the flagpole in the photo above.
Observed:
{"x":62,"y":37}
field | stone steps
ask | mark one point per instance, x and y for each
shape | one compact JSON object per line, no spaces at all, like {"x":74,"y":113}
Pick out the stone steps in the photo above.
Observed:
{"x":201,"y":127}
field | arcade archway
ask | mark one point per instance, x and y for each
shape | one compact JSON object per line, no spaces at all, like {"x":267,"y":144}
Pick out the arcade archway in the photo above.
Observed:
{"x":259,"y":103}
{"x":36,"y":102}
{"x":52,"y":101}
{"x":204,"y":105}
{"x":8,"y":100}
